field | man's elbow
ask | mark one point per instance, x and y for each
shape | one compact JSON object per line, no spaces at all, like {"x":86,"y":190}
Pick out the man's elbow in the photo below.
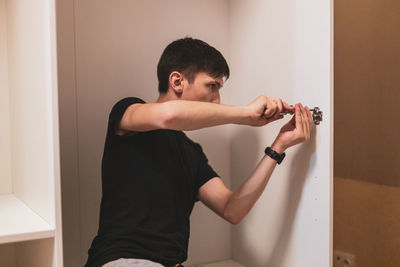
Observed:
{"x":235,"y":222}
{"x":167,"y":121}
{"x":168,"y":116}
{"x":232,"y":219}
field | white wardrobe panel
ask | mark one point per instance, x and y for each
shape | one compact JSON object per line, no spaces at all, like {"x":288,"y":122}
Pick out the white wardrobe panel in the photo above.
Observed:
{"x":30,"y":197}
{"x":18,"y":222}
{"x":5,"y":161}
{"x":28,"y":47}
{"x":283,"y":49}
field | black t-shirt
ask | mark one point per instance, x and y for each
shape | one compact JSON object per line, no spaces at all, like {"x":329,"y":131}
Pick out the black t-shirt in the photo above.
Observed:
{"x":149,"y":185}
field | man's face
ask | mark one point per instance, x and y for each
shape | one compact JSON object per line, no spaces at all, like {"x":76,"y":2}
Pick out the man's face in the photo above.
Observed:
{"x":204,"y":88}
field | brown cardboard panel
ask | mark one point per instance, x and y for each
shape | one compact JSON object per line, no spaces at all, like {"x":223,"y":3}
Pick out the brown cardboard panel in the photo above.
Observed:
{"x":367,"y":90}
{"x":366,"y":222}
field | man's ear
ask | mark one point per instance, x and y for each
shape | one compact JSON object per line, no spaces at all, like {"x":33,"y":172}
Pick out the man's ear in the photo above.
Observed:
{"x":176,"y":81}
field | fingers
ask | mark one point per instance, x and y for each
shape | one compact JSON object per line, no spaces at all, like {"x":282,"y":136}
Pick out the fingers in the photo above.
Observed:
{"x":310,"y":120}
{"x":307,"y":121}
{"x":302,"y":122}
{"x":298,"y":116}
{"x":293,"y":121}
{"x":306,"y":125}
{"x":287,"y":108}
{"x":271,"y":107}
{"x":274,"y":107}
{"x":279,"y":107}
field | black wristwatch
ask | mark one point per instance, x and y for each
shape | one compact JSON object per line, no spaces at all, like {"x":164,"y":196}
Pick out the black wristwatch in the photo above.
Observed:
{"x":275,"y":155}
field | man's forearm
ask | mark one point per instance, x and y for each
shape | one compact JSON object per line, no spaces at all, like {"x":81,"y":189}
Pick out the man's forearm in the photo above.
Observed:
{"x":192,"y":115}
{"x":242,"y":200}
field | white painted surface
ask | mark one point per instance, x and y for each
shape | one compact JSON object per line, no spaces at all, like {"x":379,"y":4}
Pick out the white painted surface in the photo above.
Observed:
{"x":283,"y":49}
{"x":5,"y":149}
{"x":30,"y":128}
{"x":30,"y":209}
{"x":19,"y":223}
{"x":57,"y":256}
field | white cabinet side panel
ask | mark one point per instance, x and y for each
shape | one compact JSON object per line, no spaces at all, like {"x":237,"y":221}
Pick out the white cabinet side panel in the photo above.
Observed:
{"x":283,"y":49}
{"x":29,"y":83}
{"x":5,"y":150}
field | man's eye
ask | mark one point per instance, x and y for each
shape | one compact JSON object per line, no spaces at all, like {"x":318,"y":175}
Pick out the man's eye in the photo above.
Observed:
{"x":212,"y":86}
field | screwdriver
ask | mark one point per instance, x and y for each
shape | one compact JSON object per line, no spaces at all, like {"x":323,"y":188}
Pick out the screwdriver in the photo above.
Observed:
{"x":316,"y":114}
{"x":316,"y":109}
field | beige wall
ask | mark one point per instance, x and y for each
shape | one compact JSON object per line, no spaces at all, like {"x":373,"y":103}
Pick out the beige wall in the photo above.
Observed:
{"x":367,"y":149}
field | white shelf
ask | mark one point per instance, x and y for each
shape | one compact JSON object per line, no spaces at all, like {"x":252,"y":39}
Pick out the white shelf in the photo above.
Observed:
{"x":19,"y":223}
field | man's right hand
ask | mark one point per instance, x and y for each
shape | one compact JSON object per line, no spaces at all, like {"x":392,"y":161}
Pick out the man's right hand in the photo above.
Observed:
{"x":264,"y":110}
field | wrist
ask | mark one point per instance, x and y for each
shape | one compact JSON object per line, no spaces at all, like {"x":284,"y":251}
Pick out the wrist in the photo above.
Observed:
{"x":278,"y":148}
{"x":240,"y":115}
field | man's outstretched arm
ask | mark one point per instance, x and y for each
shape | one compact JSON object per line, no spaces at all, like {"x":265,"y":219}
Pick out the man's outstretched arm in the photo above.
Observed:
{"x":192,"y":115}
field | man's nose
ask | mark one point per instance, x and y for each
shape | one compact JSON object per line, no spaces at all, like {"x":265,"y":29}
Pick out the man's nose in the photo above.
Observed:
{"x":216,"y":98}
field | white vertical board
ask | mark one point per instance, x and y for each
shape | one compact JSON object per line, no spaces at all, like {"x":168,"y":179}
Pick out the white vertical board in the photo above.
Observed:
{"x":284,"y":49}
{"x":28,"y":45}
{"x":5,"y":148}
{"x":30,"y":201}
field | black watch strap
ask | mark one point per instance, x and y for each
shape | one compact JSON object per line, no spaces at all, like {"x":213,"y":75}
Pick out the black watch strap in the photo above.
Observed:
{"x":275,"y":155}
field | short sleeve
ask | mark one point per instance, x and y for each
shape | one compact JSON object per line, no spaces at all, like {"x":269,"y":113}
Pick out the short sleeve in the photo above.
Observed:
{"x":204,"y":171}
{"x":118,"y":111}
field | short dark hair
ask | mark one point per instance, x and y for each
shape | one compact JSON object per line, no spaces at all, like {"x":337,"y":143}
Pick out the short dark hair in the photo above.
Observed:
{"x":190,"y":56}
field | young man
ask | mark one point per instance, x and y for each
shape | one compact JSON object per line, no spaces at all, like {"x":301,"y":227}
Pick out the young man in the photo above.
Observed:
{"x":152,"y":173}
